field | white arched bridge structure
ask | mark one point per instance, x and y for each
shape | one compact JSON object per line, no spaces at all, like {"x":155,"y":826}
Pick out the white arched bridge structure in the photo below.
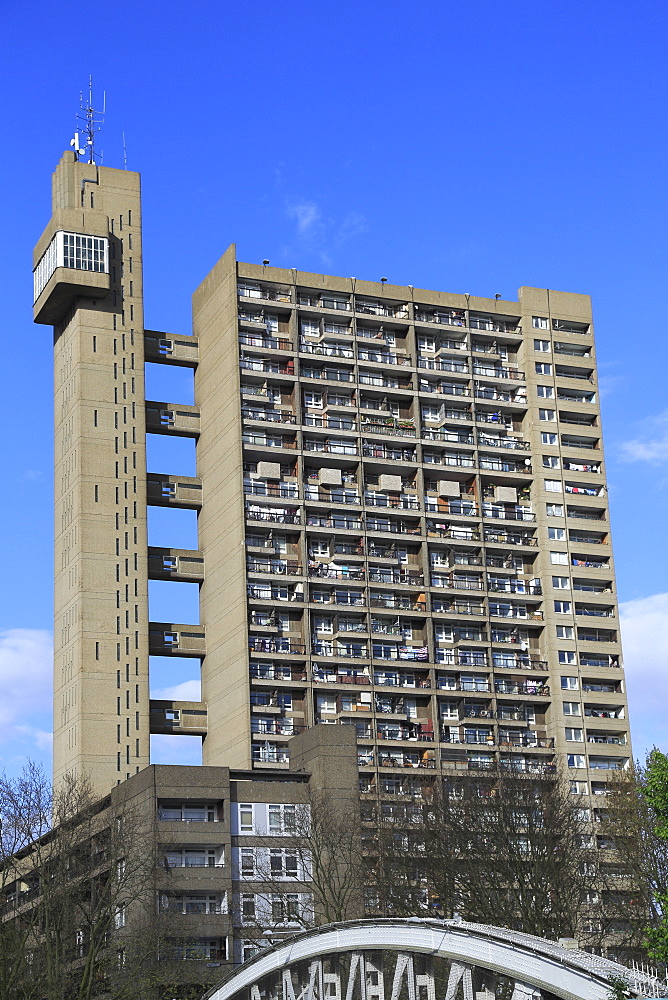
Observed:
{"x":416,"y":959}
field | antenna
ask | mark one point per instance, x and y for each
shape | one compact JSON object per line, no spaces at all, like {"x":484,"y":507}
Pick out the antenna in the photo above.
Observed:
{"x":125,"y":154}
{"x":92,"y":122}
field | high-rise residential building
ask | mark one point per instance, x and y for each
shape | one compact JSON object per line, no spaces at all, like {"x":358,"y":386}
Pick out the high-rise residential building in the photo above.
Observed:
{"x":402,"y":515}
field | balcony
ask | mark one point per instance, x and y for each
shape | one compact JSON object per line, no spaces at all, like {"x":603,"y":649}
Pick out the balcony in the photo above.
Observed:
{"x":508,"y":514}
{"x":267,"y":366}
{"x":276,"y":672}
{"x":273,"y":515}
{"x":327,"y":446}
{"x":277,"y":567}
{"x":523,"y":687}
{"x":497,"y":371}
{"x":325,"y":675}
{"x":370,"y":308}
{"x":372,"y":450}
{"x":327,"y":350}
{"x":275,"y":644}
{"x":401,"y":602}
{"x":449,"y":317}
{"x":269,"y":416}
{"x":494,"y":464}
{"x":326,"y":572}
{"x":258,"y":488}
{"x":253,"y":291}
{"x":327,"y":521}
{"x":269,"y":343}
{"x":329,"y":374}
{"x":513,"y":661}
{"x":382,"y":574}
{"x":400,"y":428}
{"x":443,"y":365}
{"x":503,"y":586}
{"x":275,"y":727}
{"x":500,"y":395}
{"x":401,"y":501}
{"x":333,"y":423}
{"x":382,"y":357}
{"x":506,"y":538}
{"x":485,"y":441}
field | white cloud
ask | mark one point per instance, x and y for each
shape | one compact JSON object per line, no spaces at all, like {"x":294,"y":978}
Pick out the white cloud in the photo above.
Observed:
{"x":26,"y":671}
{"x":650,"y":446}
{"x":645,"y":635}
{"x":185,"y":691}
{"x":307,"y":215}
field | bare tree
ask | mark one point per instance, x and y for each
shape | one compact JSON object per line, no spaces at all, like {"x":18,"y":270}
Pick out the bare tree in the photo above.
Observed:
{"x":512,"y":849}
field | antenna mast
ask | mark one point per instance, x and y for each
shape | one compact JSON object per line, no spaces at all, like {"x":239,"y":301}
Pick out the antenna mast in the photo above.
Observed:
{"x":92,"y":122}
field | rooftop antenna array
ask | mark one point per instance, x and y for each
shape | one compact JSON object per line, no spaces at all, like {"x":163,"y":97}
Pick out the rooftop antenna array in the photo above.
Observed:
{"x":92,"y":122}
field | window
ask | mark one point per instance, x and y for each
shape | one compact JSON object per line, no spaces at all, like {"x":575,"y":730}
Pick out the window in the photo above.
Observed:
{"x":247,"y":907}
{"x":559,"y":558}
{"x":566,"y":656}
{"x":119,"y":917}
{"x":578,"y":787}
{"x":313,"y":399}
{"x":557,"y":534}
{"x":542,"y":345}
{"x":569,"y":683}
{"x":247,"y":862}
{"x":562,"y":607}
{"x":543,"y":369}
{"x":553,"y":486}
{"x":575,"y":760}
{"x":545,"y":391}
{"x":540,"y":323}
{"x":550,"y":462}
{"x":560,"y":583}
{"x":564,"y":631}
{"x":282,"y":819}
{"x":554,"y":510}
{"x":571,"y":708}
{"x":283,"y":863}
{"x":246,"y":818}
{"x":546,"y":415}
{"x":548,"y":438}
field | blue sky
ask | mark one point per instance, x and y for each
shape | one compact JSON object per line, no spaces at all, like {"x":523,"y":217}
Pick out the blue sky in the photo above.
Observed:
{"x":470,"y":147}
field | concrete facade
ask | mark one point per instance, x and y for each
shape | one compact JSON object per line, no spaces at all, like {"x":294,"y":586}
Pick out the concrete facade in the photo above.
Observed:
{"x":402,"y":515}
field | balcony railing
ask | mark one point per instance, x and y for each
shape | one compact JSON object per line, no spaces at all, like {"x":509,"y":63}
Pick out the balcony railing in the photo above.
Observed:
{"x":371,"y":450}
{"x":400,"y":428}
{"x":526,"y":687}
{"x":336,"y":573}
{"x":504,"y":514}
{"x":261,"y":489}
{"x":276,"y":566}
{"x":350,"y":523}
{"x":271,"y":367}
{"x":382,"y":357}
{"x":453,"y":317}
{"x":384,"y":574}
{"x":331,"y":447}
{"x":271,"y":343}
{"x":496,"y":371}
{"x":397,"y":501}
{"x":514,"y":587}
{"x":275,"y":516}
{"x":272,"y":644}
{"x":438,"y":365}
{"x":388,"y":382}
{"x":334,"y":423}
{"x":400,"y":602}
{"x":270,"y":416}
{"x":503,"y":442}
{"x":327,"y":350}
